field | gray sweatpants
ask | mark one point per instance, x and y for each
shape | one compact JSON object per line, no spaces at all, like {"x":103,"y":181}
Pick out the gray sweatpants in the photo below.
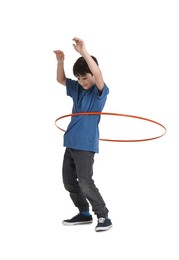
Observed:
{"x":77,"y":178}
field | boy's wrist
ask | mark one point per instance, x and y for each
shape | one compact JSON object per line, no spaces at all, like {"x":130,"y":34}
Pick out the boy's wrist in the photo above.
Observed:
{"x":84,"y":52}
{"x":60,"y":61}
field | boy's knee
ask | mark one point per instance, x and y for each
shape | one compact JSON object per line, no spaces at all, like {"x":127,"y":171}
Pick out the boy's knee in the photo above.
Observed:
{"x":71,"y":188}
{"x":67,"y":186}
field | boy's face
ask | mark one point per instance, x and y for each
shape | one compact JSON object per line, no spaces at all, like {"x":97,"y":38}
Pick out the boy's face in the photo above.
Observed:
{"x":86,"y":81}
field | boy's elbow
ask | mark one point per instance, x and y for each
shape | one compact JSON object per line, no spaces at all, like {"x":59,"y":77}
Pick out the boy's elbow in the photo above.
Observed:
{"x":61,"y":81}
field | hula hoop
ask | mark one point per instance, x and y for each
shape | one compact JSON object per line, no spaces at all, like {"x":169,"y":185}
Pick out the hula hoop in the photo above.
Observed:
{"x":115,"y":114}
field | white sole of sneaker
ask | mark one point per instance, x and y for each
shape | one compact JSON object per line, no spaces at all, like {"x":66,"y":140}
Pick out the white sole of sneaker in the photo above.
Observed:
{"x":103,"y":228}
{"x":76,"y":223}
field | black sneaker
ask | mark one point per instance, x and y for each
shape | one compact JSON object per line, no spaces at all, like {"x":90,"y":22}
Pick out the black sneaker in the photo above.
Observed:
{"x":78,"y":219}
{"x":103,"y":224}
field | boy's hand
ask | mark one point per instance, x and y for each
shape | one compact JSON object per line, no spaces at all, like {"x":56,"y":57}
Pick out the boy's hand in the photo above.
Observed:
{"x":59,"y":55}
{"x":79,"y":45}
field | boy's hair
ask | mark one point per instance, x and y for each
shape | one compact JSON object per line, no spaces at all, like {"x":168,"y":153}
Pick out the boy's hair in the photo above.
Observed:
{"x":80,"y":68}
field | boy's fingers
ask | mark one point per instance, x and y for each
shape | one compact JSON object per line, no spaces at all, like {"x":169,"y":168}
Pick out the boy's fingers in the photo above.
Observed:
{"x":58,"y":51}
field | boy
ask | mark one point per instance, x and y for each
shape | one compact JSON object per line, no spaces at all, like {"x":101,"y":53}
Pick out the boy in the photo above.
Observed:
{"x":89,"y":93}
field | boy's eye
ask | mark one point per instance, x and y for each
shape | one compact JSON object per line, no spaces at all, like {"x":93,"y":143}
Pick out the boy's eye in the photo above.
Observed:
{"x":82,"y":78}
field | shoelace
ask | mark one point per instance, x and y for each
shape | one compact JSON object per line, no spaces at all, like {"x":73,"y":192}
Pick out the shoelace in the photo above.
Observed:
{"x":101,"y":220}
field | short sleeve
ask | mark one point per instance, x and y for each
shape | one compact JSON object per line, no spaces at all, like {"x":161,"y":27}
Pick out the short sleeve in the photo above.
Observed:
{"x":105,"y":92}
{"x":71,"y":87}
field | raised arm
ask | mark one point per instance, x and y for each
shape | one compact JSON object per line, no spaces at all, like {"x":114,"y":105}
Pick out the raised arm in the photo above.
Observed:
{"x":94,"y":68}
{"x":61,"y":78}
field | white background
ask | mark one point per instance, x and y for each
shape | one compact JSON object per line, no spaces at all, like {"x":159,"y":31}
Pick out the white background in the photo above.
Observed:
{"x":136,"y":43}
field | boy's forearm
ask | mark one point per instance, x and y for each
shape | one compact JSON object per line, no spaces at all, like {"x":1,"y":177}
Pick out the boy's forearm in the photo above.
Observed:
{"x":95,"y":70}
{"x":61,"y":78}
{"x":91,"y":64}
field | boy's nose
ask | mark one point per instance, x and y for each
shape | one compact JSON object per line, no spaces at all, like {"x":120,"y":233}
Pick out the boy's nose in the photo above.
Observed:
{"x":83,"y":82}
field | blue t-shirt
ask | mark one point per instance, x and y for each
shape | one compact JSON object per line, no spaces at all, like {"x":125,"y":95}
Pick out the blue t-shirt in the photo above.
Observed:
{"x":83,"y":132}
